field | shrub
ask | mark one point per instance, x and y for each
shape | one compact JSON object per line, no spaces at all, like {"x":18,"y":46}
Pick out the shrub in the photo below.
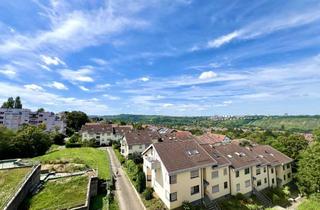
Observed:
{"x":186,"y":205}
{"x":147,"y":194}
{"x":240,"y":196}
{"x":136,"y":157}
{"x":73,"y":145}
{"x":141,"y":182}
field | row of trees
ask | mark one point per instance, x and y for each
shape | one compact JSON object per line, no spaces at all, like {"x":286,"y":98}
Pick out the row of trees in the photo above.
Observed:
{"x":12,"y":103}
{"x":29,"y":141}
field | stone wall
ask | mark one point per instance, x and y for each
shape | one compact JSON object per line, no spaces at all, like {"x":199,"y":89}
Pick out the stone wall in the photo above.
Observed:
{"x":91,"y":192}
{"x":30,"y":182}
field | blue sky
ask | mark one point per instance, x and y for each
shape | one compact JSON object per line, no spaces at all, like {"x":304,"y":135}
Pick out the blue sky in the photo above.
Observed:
{"x":182,"y":57}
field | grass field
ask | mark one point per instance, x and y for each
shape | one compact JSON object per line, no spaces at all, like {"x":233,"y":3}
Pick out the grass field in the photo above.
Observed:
{"x":9,"y":182}
{"x":93,"y":158}
{"x":61,"y":194}
{"x":288,"y":123}
{"x":312,"y":203}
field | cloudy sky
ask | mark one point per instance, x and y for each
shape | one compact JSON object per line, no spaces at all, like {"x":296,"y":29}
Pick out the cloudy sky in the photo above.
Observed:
{"x":182,"y":57}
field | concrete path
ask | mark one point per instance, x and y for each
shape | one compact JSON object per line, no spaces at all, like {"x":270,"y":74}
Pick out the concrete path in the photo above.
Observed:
{"x":126,"y":194}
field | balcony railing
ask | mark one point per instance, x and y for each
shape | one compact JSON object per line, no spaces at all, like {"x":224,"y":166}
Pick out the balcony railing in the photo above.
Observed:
{"x":151,"y":162}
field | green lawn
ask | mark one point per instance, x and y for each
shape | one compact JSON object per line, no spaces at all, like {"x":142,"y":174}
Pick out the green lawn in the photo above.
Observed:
{"x":9,"y":182}
{"x":93,"y":158}
{"x":61,"y":194}
{"x":312,"y":203}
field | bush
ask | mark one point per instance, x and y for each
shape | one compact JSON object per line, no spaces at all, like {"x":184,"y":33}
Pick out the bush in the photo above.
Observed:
{"x":73,"y":145}
{"x":141,"y":182}
{"x":136,"y":157}
{"x":240,"y":196}
{"x":147,"y":194}
{"x":186,"y":205}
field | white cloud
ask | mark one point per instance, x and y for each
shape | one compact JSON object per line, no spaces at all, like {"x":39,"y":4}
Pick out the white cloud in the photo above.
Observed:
{"x":81,"y":75}
{"x":103,"y":86}
{"x":110,"y":97}
{"x":167,"y":105}
{"x":33,"y":87}
{"x":9,"y":71}
{"x":84,"y":88}
{"x":223,"y":39}
{"x":99,"y":61}
{"x":40,"y":98}
{"x":144,"y":79}
{"x":45,"y":67}
{"x":207,"y":75}
{"x":58,"y":85}
{"x":51,"y":60}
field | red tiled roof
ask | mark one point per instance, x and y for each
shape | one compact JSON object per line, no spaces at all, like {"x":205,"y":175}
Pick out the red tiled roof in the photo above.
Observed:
{"x":181,"y":155}
{"x":97,"y":128}
{"x":211,"y":138}
{"x":144,"y":136}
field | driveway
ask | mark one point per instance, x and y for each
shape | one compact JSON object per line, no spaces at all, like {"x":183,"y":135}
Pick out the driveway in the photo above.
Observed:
{"x":126,"y":194}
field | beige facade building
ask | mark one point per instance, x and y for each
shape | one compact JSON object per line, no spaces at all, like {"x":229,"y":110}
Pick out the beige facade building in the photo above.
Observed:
{"x":189,"y":171}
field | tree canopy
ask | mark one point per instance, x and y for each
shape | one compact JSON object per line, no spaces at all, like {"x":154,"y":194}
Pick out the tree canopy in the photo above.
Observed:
{"x":12,"y":103}
{"x":308,"y":174}
{"x":75,"y":120}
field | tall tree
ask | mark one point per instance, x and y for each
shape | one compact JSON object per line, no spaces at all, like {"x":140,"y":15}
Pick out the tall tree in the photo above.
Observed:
{"x":17,"y":103}
{"x":8,"y":104}
{"x":292,"y":145}
{"x":309,"y":169}
{"x":75,"y":120}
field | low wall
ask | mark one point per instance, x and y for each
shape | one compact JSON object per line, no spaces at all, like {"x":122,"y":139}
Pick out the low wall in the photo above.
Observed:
{"x":30,"y":182}
{"x":91,"y":192}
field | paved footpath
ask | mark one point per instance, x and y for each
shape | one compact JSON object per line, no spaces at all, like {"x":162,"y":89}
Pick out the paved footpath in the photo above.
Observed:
{"x":126,"y":194}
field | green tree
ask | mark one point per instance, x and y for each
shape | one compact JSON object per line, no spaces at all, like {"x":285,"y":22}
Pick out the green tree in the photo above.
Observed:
{"x":40,"y":110}
{"x":141,"y":182}
{"x":8,"y":104}
{"x":308,"y":174}
{"x":17,"y":103}
{"x":292,"y":145}
{"x":75,"y":120}
{"x":6,"y":147}
{"x":316,"y":134}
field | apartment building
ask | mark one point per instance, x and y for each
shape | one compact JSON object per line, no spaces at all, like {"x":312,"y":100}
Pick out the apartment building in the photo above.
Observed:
{"x":103,"y":133}
{"x":15,"y":118}
{"x":188,"y":171}
{"x":136,"y":141}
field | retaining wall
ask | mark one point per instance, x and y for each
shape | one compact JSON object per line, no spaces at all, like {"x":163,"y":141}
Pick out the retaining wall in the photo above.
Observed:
{"x":29,"y":183}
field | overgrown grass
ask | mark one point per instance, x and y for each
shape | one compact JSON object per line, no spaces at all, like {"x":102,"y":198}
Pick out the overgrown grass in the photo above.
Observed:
{"x":93,"y":158}
{"x":62,"y":193}
{"x":240,"y":202}
{"x":9,"y":182}
{"x":312,"y":203}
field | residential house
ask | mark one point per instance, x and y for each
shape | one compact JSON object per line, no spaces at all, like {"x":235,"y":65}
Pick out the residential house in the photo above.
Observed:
{"x":213,"y":138}
{"x":185,"y":170}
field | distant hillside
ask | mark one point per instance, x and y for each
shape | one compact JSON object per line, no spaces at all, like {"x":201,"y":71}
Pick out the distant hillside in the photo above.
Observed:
{"x":298,"y":123}
{"x":292,"y":123}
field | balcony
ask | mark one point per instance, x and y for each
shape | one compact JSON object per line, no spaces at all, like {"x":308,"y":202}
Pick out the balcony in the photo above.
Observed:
{"x":151,"y":163}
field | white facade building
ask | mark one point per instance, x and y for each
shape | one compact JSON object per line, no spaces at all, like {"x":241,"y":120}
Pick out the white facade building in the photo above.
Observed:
{"x":15,"y":118}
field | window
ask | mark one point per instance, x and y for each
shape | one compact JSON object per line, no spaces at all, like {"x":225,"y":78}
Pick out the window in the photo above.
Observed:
{"x":264,"y":169}
{"x":238,"y":187}
{"x":173,"y":197}
{"x":194,"y":174}
{"x":288,"y":166}
{"x":272,"y":180}
{"x":284,"y":167}
{"x":130,"y":147}
{"x":289,"y":175}
{"x":258,"y":171}
{"x":225,"y":185}
{"x":225,"y":171}
{"x":140,"y":146}
{"x":214,"y":174}
{"x":215,"y":189}
{"x":284,"y":177}
{"x":246,"y":171}
{"x":247,"y":183}
{"x":173,"y":179}
{"x":194,"y":190}
{"x":259,"y":183}
{"x":237,"y":173}
{"x":265,"y":180}
{"x":272,"y":170}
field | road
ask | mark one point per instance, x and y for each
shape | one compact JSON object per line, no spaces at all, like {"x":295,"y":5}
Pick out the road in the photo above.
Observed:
{"x":126,"y":194}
